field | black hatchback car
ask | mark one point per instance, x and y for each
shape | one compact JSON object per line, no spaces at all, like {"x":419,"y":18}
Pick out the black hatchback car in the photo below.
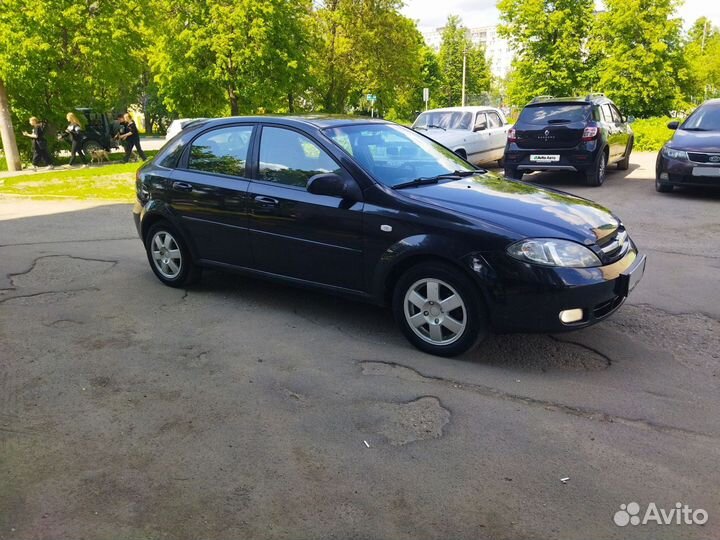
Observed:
{"x":692,"y":157}
{"x":376,"y":211}
{"x":582,"y":135}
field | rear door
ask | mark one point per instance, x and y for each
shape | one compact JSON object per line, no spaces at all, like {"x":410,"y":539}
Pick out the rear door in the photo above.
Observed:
{"x":208,"y":191}
{"x":293,"y":232}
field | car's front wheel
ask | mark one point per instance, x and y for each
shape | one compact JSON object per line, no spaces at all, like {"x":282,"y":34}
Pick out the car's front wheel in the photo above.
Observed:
{"x":439,"y":309}
{"x":662,"y":187}
{"x":169,"y":256}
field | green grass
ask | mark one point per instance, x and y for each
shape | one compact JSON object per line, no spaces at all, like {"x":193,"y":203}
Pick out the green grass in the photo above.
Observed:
{"x":651,"y":133}
{"x":107,"y":182}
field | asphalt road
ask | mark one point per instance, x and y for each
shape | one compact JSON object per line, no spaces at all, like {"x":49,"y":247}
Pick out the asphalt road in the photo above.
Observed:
{"x":243,"y":409}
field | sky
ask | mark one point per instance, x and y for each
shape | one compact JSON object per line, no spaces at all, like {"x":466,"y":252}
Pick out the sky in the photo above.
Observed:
{"x":431,"y":14}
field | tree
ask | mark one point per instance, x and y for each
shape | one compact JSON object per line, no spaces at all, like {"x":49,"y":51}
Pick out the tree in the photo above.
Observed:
{"x":456,"y":43}
{"x":230,"y":56}
{"x":56,"y":55}
{"x":367,"y":46}
{"x":703,"y":57}
{"x":550,"y":38}
{"x":641,"y":62}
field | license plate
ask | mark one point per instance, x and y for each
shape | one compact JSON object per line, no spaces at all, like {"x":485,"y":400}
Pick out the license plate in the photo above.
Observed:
{"x":544,"y":158}
{"x":706,"y":171}
{"x":630,"y":278}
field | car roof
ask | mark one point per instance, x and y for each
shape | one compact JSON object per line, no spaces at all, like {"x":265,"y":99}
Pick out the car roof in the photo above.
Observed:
{"x":594,"y":99}
{"x":467,"y":108}
{"x":319,"y":121}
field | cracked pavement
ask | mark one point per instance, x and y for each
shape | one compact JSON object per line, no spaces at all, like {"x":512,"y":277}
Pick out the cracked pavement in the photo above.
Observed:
{"x":245,"y":409}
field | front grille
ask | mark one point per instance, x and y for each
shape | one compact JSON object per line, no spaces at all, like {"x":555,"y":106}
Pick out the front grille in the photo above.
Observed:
{"x":702,"y":157}
{"x":615,"y":246}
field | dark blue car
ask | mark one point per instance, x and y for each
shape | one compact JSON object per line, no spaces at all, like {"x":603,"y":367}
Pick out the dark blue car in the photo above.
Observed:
{"x":375,"y":211}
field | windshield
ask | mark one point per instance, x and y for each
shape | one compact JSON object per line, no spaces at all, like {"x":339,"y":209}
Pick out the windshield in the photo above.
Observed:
{"x":554,"y":113}
{"x":394,"y":154}
{"x":704,"y":118}
{"x":444,"y":120}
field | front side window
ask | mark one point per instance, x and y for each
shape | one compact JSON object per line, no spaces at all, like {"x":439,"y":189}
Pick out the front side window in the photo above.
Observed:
{"x":289,"y":158}
{"x":493,"y":120}
{"x":394,"y":154}
{"x":221,"y":151}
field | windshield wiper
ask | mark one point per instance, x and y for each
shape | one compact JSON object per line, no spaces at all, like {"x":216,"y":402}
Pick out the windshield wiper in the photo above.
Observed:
{"x":425,"y":180}
{"x":431,"y":126}
{"x":694,"y":129}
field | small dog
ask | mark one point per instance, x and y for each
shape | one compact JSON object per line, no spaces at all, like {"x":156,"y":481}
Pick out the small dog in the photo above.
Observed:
{"x":99,"y":156}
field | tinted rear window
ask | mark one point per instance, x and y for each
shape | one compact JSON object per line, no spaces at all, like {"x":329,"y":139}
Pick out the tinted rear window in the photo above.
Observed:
{"x":555,"y":114}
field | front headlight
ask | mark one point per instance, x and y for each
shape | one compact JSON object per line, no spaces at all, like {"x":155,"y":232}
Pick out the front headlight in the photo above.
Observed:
{"x":674,"y":154}
{"x":553,"y":252}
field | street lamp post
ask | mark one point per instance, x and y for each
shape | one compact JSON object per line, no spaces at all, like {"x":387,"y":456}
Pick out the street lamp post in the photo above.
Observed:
{"x":463,"y":78}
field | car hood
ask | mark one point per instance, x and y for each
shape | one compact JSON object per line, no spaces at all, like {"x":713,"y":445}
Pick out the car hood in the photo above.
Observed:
{"x":696,"y":141}
{"x":449,"y":137}
{"x":522,"y":208}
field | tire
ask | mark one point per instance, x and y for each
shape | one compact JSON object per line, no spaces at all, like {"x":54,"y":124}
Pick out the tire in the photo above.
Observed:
{"x":663,"y":187}
{"x":417,"y":305}
{"x":596,"y":176}
{"x":90,"y":146}
{"x":513,"y":173}
{"x":501,"y":162}
{"x":169,"y":257}
{"x":624,"y":163}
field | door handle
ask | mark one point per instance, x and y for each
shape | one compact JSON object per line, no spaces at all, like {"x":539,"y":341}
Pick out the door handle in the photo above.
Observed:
{"x":262,"y":200}
{"x":182,"y":186}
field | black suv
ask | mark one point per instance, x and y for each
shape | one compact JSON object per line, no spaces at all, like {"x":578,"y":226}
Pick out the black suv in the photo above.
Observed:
{"x":376,"y":211}
{"x":569,"y":134}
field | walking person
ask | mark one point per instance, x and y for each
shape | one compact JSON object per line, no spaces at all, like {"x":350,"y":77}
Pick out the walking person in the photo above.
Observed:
{"x":132,"y":138}
{"x":39,"y":144}
{"x":74,"y":130}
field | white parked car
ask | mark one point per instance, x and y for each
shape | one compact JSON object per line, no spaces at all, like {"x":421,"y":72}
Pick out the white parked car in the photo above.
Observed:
{"x":176,"y":126}
{"x":476,"y":133}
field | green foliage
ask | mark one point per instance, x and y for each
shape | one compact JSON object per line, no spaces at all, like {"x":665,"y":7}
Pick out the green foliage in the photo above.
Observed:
{"x":455,"y":44}
{"x":550,"y":37}
{"x":366,"y":46}
{"x":651,"y":133}
{"x":640,"y":60}
{"x":703,"y":56}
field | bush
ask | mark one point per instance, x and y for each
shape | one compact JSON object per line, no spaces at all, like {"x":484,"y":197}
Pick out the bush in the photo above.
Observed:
{"x":651,"y":133}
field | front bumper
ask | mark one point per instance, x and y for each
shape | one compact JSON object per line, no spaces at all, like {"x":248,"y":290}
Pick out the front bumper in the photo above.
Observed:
{"x":531,"y":297}
{"x":678,"y":172}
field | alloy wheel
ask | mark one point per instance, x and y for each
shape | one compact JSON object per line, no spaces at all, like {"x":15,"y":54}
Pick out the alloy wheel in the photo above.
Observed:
{"x":435,"y":311}
{"x":166,"y":254}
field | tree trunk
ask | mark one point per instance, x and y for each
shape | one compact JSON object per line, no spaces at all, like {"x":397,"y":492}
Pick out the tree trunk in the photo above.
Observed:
{"x":234,"y":107}
{"x":291,"y":102}
{"x":6,"y":131}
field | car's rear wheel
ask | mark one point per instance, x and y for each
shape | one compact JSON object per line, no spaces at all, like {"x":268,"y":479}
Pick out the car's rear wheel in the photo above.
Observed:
{"x":513,"y":173}
{"x":596,"y":176}
{"x":169,"y":256}
{"x":90,"y":146}
{"x":624,"y":163}
{"x":662,"y":187}
{"x":439,"y":309}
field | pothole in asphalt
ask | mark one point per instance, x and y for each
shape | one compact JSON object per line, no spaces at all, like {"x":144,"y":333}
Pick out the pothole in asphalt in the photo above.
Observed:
{"x":539,"y":352}
{"x":61,"y":272}
{"x":403,"y":423}
{"x":692,"y":338}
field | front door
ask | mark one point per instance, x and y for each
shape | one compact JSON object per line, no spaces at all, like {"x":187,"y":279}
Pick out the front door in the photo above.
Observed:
{"x":209,"y":194}
{"x":293,"y":232}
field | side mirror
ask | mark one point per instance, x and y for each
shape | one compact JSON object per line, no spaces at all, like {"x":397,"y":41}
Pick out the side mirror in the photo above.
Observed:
{"x":334,"y":185}
{"x":673,"y":125}
{"x":480,"y":127}
{"x":630,"y":119}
